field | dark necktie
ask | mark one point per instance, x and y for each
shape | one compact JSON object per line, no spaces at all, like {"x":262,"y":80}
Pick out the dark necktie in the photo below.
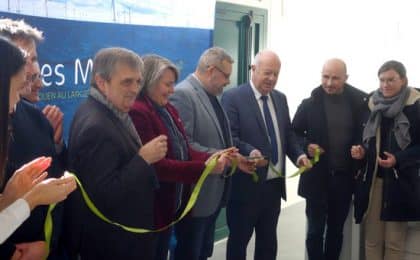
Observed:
{"x":271,"y":131}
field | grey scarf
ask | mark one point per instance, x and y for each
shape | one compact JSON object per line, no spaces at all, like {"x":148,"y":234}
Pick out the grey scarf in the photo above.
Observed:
{"x":123,"y":117}
{"x":389,"y":108}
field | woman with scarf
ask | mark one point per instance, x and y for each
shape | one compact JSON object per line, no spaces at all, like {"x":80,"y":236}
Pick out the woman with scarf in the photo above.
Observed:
{"x":391,"y":149}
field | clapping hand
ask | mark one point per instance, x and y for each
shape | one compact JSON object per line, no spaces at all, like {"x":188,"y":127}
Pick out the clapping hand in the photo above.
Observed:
{"x":24,"y":179}
{"x":51,"y":191}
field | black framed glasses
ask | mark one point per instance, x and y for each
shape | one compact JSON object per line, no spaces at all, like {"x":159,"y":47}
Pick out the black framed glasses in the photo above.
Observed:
{"x":226,"y":75}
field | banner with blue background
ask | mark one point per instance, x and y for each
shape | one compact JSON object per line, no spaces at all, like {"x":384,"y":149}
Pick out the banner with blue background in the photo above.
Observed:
{"x":75,"y":30}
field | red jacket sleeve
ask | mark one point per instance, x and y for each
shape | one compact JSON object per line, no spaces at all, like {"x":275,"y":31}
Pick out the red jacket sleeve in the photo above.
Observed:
{"x":149,"y":125}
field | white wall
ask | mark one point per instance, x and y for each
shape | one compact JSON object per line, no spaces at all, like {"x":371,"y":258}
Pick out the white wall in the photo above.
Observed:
{"x":365,"y":33}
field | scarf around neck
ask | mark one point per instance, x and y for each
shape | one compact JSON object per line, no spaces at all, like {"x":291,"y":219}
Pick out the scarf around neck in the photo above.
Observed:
{"x":390,"y":108}
{"x":123,"y":117}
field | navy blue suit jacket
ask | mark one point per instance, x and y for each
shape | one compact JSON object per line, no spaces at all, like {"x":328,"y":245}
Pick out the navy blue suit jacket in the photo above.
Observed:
{"x":249,"y":132}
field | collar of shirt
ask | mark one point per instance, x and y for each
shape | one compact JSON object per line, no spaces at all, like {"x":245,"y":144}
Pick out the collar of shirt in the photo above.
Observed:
{"x":257,"y":94}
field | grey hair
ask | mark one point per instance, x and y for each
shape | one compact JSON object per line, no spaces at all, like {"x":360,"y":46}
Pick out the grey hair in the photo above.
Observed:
{"x":259,"y":56}
{"x":19,"y":30}
{"x":107,"y":59}
{"x":213,"y":56}
{"x":154,"y":66}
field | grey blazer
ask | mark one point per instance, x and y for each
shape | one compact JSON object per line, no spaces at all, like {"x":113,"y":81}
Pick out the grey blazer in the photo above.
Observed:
{"x":204,"y":134}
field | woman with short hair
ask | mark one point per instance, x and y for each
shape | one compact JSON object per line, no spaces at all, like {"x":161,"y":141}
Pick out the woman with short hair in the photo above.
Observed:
{"x":391,"y":148}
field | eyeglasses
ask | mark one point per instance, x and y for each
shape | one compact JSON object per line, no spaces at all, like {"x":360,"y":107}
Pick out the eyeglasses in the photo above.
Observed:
{"x":226,"y":75}
{"x":388,"y":81}
{"x":34,"y":77}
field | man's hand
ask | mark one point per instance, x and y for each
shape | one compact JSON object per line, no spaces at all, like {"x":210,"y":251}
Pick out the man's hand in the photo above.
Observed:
{"x":155,"y":149}
{"x":388,"y":162}
{"x":312,"y":148}
{"x":304,"y":162}
{"x":256,"y":156}
{"x":221,"y":163}
{"x":30,"y":251}
{"x":55,"y":116}
{"x":225,"y":158}
{"x":246,"y":165}
{"x":357,"y":152}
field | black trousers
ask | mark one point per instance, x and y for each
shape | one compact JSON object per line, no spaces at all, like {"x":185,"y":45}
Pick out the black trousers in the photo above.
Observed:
{"x":326,"y":219}
{"x":260,"y":214}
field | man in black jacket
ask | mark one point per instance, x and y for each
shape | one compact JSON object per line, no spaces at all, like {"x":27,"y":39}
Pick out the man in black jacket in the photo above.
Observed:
{"x":329,"y":122}
{"x":107,"y":155}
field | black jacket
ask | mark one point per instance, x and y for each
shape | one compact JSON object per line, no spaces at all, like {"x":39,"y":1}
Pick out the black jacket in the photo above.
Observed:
{"x":119,"y":182}
{"x":310,"y":126}
{"x":396,"y":203}
{"x":33,"y":136}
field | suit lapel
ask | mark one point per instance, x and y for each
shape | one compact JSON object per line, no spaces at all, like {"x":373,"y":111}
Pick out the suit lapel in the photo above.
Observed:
{"x":256,"y":109}
{"x":204,"y":99}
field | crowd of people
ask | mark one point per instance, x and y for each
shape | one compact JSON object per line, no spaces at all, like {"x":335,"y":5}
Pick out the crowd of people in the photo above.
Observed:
{"x":139,"y":145}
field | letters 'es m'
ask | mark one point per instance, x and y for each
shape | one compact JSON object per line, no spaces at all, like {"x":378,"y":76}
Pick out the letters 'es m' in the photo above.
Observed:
{"x":84,"y":72}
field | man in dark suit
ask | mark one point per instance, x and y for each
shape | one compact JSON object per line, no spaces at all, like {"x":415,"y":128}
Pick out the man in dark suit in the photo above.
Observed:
{"x":329,"y":120}
{"x":260,"y":124}
{"x":107,"y":155}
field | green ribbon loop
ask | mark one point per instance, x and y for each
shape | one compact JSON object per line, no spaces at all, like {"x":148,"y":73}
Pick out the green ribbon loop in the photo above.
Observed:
{"x":190,"y":204}
{"x":209,"y":168}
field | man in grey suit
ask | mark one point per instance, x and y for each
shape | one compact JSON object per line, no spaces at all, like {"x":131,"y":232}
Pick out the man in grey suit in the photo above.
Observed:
{"x":208,"y":130}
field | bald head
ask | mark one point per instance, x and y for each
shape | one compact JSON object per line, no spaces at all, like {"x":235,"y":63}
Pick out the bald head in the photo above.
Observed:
{"x":265,"y":71}
{"x":334,"y":76}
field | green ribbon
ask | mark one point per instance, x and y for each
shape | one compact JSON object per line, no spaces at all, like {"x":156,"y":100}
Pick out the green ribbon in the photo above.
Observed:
{"x":301,"y":169}
{"x":48,"y":227}
{"x":190,"y":204}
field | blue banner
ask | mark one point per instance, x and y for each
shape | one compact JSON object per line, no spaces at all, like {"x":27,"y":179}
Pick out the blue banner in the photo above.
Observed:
{"x":67,"y":52}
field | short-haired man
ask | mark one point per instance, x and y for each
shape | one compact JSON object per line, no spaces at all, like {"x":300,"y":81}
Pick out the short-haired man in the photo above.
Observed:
{"x":107,"y":155}
{"x":260,"y":124}
{"x":208,"y":130}
{"x":33,"y":136}
{"x":329,"y":120}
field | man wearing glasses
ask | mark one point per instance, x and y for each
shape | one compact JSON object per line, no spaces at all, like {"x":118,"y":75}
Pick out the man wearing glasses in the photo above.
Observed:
{"x":207,"y":130}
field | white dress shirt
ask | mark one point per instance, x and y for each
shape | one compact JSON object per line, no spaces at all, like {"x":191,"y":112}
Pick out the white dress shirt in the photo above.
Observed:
{"x":271,"y":174}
